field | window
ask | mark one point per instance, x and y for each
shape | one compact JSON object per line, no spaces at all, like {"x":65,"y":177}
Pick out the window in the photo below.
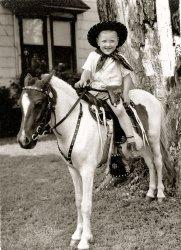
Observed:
{"x":33,"y":31}
{"x":61,"y":33}
{"x":39,"y":43}
{"x":34,"y":45}
{"x":63,"y":49}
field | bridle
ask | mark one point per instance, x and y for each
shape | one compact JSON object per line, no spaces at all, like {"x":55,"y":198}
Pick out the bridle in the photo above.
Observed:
{"x":44,"y":127}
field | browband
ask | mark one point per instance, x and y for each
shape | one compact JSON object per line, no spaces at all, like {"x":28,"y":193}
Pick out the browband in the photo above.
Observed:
{"x":36,"y":89}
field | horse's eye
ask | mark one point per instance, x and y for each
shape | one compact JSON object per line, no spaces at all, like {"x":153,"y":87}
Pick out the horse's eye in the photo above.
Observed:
{"x":38,"y":104}
{"x":18,"y":103}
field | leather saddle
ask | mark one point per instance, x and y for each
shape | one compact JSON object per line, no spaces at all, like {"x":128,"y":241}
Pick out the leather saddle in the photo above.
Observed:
{"x":117,"y":167}
{"x":119,"y":135}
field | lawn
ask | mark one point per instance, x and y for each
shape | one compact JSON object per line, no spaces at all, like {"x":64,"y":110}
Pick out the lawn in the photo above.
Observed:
{"x":38,"y":209}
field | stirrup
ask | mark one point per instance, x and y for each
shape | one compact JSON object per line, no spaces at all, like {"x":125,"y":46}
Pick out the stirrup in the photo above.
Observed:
{"x":131,"y":146}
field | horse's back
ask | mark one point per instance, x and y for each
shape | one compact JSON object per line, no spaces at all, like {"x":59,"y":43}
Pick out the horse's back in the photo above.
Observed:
{"x":149,"y":105}
{"x":140,"y":96}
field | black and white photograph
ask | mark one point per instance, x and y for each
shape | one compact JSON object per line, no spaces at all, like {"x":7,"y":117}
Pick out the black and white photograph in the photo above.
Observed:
{"x":90,"y":125}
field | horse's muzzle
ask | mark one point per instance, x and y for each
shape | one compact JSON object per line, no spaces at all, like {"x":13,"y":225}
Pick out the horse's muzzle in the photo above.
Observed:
{"x":25,"y":142}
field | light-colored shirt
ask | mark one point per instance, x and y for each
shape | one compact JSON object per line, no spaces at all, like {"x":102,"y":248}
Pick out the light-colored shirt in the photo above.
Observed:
{"x":112,"y":73}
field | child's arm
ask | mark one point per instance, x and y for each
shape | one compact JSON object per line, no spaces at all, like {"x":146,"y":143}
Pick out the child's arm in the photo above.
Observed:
{"x":127,"y":85}
{"x":82,"y":83}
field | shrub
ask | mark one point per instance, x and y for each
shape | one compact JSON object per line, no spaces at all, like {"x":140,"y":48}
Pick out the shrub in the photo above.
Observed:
{"x":66,"y":75}
{"x":10,"y":114}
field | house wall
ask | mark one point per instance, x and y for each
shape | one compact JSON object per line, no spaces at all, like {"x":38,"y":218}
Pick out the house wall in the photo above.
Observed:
{"x":8,"y":67}
{"x":84,"y":22}
{"x":10,"y":54}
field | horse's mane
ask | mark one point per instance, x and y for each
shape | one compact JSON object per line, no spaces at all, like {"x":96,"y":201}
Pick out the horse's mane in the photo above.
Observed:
{"x":63,"y":86}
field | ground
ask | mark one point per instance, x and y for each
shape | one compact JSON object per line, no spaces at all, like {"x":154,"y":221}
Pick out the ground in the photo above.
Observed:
{"x":38,"y":208}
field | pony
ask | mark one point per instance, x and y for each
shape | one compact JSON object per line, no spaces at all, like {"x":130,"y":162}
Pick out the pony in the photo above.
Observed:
{"x":52,"y":101}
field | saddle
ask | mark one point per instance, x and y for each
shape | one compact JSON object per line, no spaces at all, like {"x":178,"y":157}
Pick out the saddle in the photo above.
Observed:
{"x":117,"y":166}
{"x":119,"y":135}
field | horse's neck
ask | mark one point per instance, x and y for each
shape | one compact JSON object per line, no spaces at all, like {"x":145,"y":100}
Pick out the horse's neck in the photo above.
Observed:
{"x":65,"y":98}
{"x":66,"y":95}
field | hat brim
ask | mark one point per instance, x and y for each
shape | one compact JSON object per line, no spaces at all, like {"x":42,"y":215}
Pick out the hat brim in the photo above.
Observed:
{"x":120,"y":28}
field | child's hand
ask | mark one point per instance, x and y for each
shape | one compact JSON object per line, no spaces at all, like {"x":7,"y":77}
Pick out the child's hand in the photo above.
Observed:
{"x":80,"y":84}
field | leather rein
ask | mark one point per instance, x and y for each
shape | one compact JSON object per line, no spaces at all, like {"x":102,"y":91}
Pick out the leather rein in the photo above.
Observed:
{"x":45,"y":129}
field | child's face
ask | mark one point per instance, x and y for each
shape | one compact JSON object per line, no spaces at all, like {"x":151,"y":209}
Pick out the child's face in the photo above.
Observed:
{"x":107,"y":41}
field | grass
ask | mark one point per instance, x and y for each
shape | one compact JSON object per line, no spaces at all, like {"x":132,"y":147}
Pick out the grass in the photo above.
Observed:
{"x":38,"y":209}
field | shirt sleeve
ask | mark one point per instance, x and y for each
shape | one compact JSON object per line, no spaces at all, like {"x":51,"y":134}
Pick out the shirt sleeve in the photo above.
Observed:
{"x":88,"y":65}
{"x":125,"y":71}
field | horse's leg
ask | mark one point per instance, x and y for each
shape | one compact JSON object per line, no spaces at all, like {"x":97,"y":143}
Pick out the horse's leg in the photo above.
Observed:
{"x":147,"y":155}
{"x":86,"y":206}
{"x":157,"y":158}
{"x":77,"y":181}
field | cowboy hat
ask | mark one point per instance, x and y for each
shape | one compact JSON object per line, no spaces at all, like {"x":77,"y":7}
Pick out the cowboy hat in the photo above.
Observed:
{"x":120,"y":28}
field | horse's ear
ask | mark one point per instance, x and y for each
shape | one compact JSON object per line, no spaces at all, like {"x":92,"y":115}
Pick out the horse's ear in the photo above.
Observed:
{"x":47,"y":78}
{"x":27,"y":79}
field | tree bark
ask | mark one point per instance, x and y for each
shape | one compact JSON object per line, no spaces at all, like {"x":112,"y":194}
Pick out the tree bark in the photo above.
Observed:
{"x":180,"y":15}
{"x":149,"y":48}
{"x":106,"y":10}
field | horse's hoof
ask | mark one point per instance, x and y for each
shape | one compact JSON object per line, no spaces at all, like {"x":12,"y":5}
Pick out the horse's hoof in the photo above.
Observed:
{"x":83,"y":248}
{"x":160,"y":200}
{"x":87,"y":248}
{"x":73,"y":244}
{"x":83,"y":245}
{"x":91,"y":240}
{"x":149,"y":199}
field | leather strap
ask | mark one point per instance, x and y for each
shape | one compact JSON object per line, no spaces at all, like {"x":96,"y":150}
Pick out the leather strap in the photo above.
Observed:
{"x":68,"y":158}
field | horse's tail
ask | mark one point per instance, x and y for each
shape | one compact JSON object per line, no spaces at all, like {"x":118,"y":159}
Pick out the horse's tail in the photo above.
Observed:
{"x":168,"y":169}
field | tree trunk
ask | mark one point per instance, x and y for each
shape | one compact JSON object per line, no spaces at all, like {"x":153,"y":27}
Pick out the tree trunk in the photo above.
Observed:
{"x":180,"y":14}
{"x":149,"y":48}
{"x":143,"y":46}
{"x":106,"y":10}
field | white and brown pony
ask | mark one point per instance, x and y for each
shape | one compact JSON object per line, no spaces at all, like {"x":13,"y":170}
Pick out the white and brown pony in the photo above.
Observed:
{"x":51,"y":100}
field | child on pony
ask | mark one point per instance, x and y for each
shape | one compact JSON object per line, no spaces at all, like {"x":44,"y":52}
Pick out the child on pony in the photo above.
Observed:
{"x":106,"y":69}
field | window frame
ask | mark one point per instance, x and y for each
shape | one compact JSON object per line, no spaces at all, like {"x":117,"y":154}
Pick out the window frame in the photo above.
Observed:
{"x":23,"y":45}
{"x":72,"y":18}
{"x":72,"y":21}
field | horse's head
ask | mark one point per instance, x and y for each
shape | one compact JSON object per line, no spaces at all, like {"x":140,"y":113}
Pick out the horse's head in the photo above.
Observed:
{"x":34,"y":102}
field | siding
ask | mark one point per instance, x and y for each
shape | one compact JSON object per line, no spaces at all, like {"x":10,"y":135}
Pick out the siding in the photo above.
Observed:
{"x":7,"y":48}
{"x":84,"y":22}
{"x":10,"y":58}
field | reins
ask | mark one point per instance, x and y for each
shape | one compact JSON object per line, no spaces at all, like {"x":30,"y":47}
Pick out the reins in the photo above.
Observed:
{"x":46,"y":93}
{"x":50,"y":108}
{"x":75,"y":104}
{"x":70,"y":111}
